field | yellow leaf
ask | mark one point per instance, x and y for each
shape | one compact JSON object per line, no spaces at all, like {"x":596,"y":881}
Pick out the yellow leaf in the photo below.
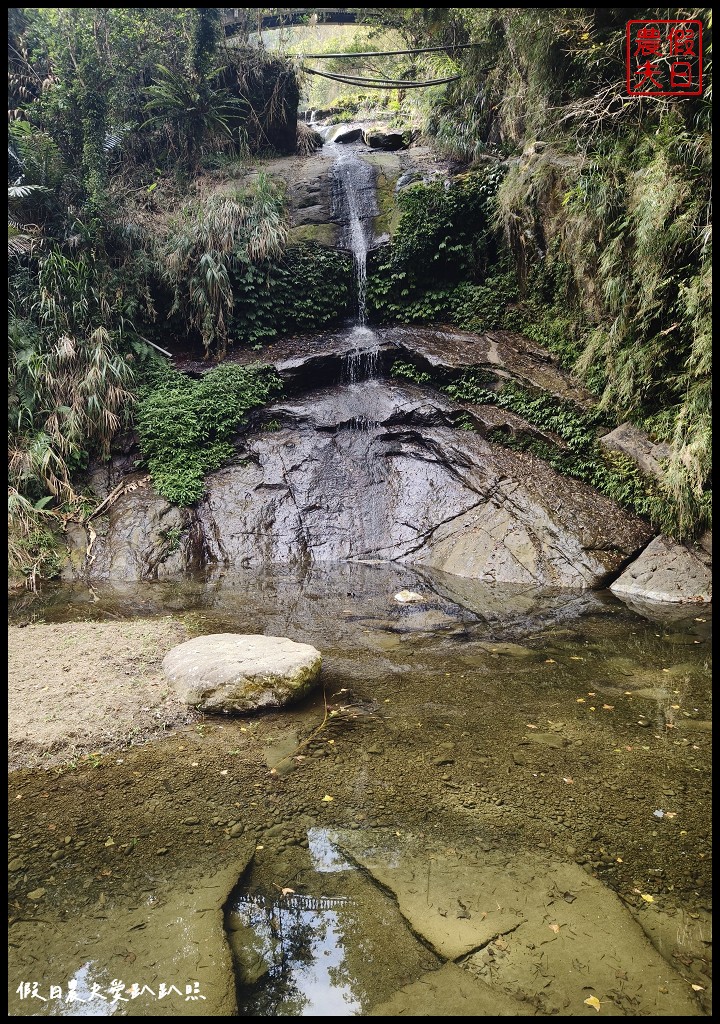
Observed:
{"x":591,"y":694}
{"x":608,"y":707}
{"x":567,"y":779}
{"x":550,"y":661}
{"x":287,"y":892}
{"x":593,"y":709}
{"x":575,"y":657}
{"x":675,"y":707}
{"x":554,"y":928}
{"x":110,"y":841}
{"x":647,"y":898}
{"x":594,"y":1002}
{"x":326,"y":799}
{"x":531,"y":726}
{"x":580,"y":700}
{"x":697,"y":988}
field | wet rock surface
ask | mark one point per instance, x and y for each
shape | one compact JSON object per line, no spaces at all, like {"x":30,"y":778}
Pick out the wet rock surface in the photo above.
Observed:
{"x":229,"y":672}
{"x":378,"y":470}
{"x":668,"y":572}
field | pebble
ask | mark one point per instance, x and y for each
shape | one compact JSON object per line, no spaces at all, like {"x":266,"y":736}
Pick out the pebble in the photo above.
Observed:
{"x":236,"y":830}
{"x":191,"y":821}
{"x":36,"y":894}
{"x":162,"y":851}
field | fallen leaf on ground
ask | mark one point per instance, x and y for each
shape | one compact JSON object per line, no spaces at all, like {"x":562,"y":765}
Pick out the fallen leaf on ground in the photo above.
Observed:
{"x":593,"y":1001}
{"x":531,"y":726}
{"x":327,"y":798}
{"x":567,"y":779}
{"x":550,"y":661}
{"x":554,"y":928}
{"x":671,"y":814}
{"x":648,"y":899}
{"x":697,"y":988}
{"x":608,"y":707}
{"x":110,"y":841}
{"x":580,"y":700}
{"x":575,"y":657}
{"x":286,"y":891}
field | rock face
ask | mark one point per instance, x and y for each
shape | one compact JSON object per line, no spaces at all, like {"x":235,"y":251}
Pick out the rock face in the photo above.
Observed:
{"x":355,"y":469}
{"x":667,"y":571}
{"x":646,"y":454}
{"x":233,"y":672}
{"x":379,"y":469}
{"x":375,"y":471}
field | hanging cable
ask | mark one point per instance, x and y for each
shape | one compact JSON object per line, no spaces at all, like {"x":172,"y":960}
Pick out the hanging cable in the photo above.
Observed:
{"x":388,"y":53}
{"x":376,"y":83}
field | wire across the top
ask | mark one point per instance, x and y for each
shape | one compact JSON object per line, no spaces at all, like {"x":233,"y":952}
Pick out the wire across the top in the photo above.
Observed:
{"x":381,"y":83}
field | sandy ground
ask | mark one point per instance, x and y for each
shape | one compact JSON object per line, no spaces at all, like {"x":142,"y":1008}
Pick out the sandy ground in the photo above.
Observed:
{"x":77,"y":688}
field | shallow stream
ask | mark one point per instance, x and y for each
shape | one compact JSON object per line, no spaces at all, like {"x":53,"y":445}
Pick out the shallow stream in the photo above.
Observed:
{"x":483,"y":729}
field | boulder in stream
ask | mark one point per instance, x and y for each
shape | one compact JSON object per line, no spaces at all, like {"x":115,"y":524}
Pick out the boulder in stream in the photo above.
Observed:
{"x":237,"y":673}
{"x":667,"y":571}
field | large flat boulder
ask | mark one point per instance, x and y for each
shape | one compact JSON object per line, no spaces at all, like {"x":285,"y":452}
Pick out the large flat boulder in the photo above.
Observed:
{"x":237,"y":673}
{"x":667,"y":571}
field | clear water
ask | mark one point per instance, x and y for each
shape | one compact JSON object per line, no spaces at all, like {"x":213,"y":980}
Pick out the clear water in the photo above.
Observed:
{"x":431,"y":712}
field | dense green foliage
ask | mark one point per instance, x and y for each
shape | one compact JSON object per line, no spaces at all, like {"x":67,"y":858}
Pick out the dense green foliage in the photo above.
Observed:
{"x":307,"y":287}
{"x":582,"y":220}
{"x":604,"y":210}
{"x":444,"y":236}
{"x":186,"y":426}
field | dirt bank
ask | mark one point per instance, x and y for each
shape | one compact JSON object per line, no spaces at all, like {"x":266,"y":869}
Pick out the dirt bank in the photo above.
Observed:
{"x":80,"y":687}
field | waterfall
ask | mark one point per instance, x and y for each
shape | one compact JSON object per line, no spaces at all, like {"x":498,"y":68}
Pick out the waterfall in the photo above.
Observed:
{"x":355,"y":205}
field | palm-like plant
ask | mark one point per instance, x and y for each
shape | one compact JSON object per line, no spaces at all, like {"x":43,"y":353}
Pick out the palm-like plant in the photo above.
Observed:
{"x":22,"y":235}
{"x":192,"y":113}
{"x":68,"y":380}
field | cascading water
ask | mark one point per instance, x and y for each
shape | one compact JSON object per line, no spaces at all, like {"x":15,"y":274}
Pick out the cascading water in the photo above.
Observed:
{"x":355,"y":206}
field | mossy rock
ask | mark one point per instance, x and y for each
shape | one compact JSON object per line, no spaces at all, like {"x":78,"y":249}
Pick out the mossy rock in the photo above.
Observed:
{"x":322,"y":234}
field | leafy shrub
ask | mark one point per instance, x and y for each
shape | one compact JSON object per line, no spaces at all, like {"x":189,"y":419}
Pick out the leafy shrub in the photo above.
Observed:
{"x":186,"y":426}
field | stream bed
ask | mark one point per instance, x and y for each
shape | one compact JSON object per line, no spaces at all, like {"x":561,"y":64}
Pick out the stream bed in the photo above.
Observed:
{"x":496,"y":804}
